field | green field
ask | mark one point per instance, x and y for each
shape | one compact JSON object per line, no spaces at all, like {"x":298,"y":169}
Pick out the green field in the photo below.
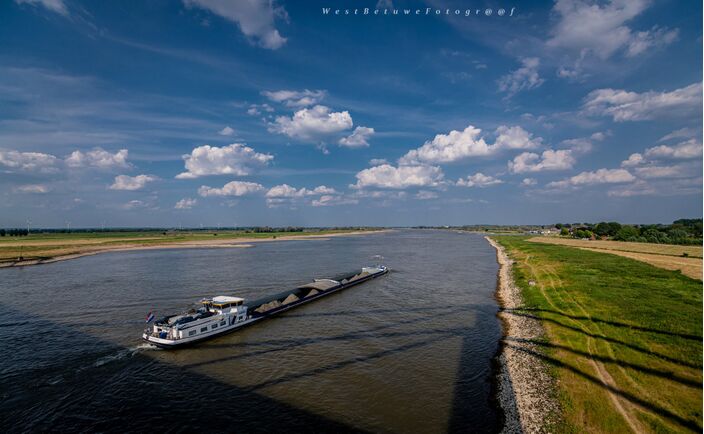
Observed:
{"x":623,"y":338}
{"x":44,"y":246}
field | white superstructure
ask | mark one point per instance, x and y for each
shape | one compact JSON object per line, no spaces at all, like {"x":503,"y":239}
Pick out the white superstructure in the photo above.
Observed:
{"x":215,"y":316}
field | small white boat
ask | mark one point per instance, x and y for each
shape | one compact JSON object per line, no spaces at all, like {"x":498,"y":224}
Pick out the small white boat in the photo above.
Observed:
{"x":223,"y":314}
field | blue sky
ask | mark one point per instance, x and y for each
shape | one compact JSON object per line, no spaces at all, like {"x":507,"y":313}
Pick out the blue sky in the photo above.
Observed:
{"x":214,"y":112}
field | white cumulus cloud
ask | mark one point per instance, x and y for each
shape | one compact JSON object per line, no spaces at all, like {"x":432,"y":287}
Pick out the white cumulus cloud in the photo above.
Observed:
{"x":657,"y":171}
{"x":689,"y":149}
{"x":235,"y":159}
{"x":126,"y":182}
{"x":233,"y":188}
{"x":257,"y":109}
{"x":458,"y":145}
{"x":186,"y":203}
{"x":296,"y":98}
{"x":285,"y":190}
{"x":624,"y":106}
{"x":550,"y":159}
{"x":601,"y":176}
{"x":28,"y":161}
{"x":358,"y":138}
{"x":313,"y":123}
{"x":333,"y":200}
{"x":227,"y":131}
{"x":378,"y":161}
{"x":633,"y":160}
{"x":478,"y":180}
{"x":98,"y":158}
{"x":387,"y":176}
{"x":321,"y":195}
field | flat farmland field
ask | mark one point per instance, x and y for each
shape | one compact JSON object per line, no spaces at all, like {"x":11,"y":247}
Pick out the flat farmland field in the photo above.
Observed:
{"x":686,"y":259}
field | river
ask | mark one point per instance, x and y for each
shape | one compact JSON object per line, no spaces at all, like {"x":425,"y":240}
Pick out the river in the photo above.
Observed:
{"x":408,"y":352}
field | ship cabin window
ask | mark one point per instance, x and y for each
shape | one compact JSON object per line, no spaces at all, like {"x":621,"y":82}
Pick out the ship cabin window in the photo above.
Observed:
{"x":222,"y":323}
{"x":204,"y":329}
{"x":191,"y":333}
{"x":226,"y":305}
{"x":214,"y":326}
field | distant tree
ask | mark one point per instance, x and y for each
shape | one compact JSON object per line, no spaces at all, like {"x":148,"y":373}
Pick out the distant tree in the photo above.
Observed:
{"x":602,"y":229}
{"x":692,"y":226}
{"x":2,"y":232}
{"x":614,"y":227}
{"x":564,"y":232}
{"x":558,"y":225}
{"x":605,"y":229}
{"x":653,"y":235}
{"x":582,"y":233}
{"x":627,"y":233}
{"x":678,"y":236}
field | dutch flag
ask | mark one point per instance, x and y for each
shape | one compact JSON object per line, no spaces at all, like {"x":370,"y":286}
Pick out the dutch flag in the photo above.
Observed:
{"x":150,"y":316}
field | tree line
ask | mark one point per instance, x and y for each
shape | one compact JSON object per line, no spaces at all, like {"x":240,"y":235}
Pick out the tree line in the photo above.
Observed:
{"x":248,"y":229}
{"x":14,"y":232}
{"x":682,"y":231}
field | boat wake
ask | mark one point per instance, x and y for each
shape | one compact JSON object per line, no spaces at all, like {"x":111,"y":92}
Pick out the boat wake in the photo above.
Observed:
{"x":125,"y":353}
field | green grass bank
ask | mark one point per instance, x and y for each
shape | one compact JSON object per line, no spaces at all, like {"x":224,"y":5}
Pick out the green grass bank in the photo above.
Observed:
{"x":623,"y":338}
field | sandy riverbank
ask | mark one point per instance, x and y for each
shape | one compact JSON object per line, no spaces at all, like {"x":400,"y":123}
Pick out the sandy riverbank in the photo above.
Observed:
{"x":240,"y":242}
{"x":525,"y":388}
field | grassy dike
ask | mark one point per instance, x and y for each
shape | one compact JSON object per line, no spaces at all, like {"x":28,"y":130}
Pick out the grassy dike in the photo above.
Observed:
{"x":623,"y":339}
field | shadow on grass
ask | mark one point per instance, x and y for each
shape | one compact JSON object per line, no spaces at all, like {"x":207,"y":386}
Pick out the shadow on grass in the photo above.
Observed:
{"x":609,"y":339}
{"x":686,"y":423}
{"x":612,"y":323}
{"x":668,"y":375}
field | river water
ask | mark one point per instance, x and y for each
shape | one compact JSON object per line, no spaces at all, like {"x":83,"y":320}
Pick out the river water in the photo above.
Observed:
{"x":408,"y":352}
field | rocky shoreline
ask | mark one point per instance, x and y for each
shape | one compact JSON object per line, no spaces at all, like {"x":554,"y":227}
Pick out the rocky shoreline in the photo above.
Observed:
{"x":525,"y":389}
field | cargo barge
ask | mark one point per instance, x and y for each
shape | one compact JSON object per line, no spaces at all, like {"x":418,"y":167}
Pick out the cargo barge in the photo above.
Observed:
{"x":224,"y":314}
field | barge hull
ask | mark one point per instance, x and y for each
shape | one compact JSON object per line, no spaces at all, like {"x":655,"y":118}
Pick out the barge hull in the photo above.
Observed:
{"x":257,"y":317}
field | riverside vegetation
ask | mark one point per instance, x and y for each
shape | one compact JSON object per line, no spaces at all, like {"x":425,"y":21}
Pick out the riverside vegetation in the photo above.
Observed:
{"x":622,"y":338}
